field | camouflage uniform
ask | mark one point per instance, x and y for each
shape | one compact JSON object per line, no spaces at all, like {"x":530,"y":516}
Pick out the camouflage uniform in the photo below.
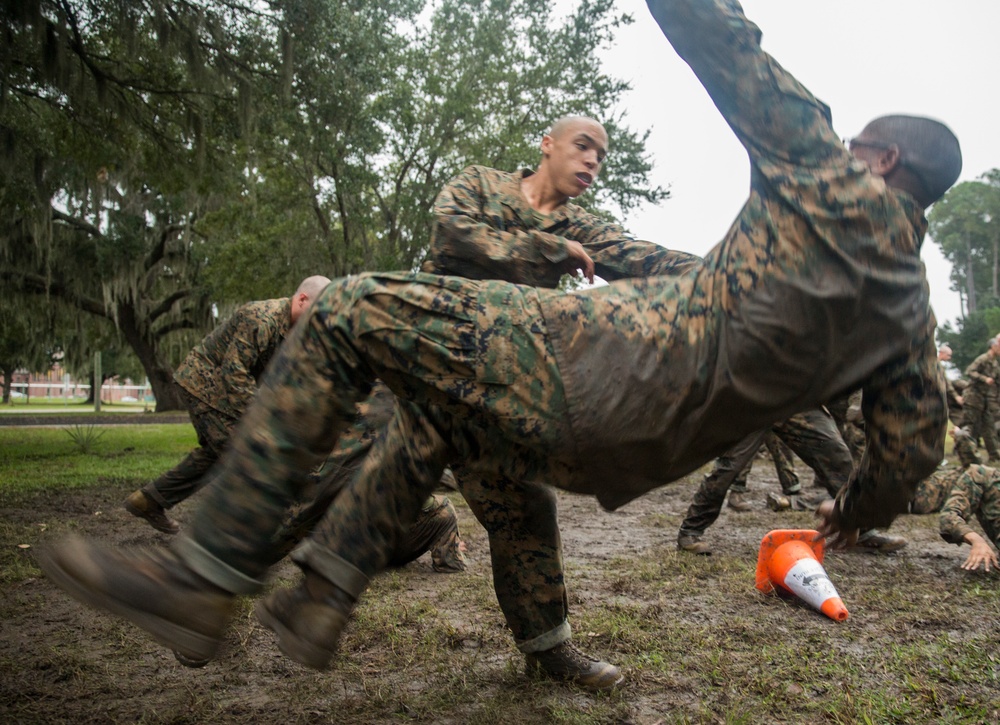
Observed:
{"x":976,"y":493}
{"x":812,"y":435}
{"x":485,"y":229}
{"x":781,"y":457}
{"x":965,"y":447}
{"x":977,"y":416}
{"x":846,"y":411}
{"x":933,"y":491}
{"x":218,"y":380}
{"x":818,"y":288}
{"x":436,"y":527}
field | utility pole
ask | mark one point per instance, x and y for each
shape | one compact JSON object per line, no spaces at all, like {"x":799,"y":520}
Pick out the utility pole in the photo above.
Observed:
{"x":97,"y":382}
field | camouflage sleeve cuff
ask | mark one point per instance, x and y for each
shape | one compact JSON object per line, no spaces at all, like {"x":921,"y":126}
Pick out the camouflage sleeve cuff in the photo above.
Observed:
{"x":551,"y":247}
{"x":953,"y":528}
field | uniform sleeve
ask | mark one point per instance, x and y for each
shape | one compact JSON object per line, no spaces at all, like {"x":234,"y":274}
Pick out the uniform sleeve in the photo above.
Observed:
{"x":961,"y":505}
{"x":617,"y":255}
{"x":467,"y":243}
{"x":772,"y":114}
{"x":248,"y":341}
{"x":905,"y":414}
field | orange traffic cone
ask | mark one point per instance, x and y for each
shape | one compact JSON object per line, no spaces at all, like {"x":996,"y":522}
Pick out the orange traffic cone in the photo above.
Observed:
{"x":792,"y":560}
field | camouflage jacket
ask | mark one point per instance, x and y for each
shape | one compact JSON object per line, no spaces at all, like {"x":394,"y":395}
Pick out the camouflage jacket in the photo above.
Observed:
{"x":976,"y":493}
{"x":223,"y":370}
{"x":818,"y":288}
{"x":486,"y":229}
{"x":983,"y":367}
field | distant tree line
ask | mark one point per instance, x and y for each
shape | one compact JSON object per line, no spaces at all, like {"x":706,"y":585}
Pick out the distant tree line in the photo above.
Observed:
{"x":966,"y":225}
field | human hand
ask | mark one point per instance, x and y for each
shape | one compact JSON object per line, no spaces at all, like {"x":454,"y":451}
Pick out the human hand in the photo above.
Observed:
{"x":578,"y":259}
{"x":981,"y":554}
{"x":830,"y":527}
{"x":960,"y":400}
{"x":989,"y":381}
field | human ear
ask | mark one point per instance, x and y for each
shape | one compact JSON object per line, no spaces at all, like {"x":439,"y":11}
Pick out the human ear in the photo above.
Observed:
{"x":887,"y":160}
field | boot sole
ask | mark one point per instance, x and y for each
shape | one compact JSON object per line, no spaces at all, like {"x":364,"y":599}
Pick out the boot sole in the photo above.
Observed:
{"x":185,"y":642}
{"x":290,"y":643}
{"x":534,"y":668}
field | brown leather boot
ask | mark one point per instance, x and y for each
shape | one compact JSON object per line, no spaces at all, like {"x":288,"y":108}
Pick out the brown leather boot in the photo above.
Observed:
{"x":693,"y":545}
{"x":141,"y":505}
{"x":738,"y":501}
{"x":307,"y":619}
{"x":566,"y":662}
{"x":883,"y":543}
{"x":778,"y":501}
{"x":152,"y":588}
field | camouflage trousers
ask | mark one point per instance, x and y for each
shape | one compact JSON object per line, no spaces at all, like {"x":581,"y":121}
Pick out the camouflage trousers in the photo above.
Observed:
{"x":435,"y":529}
{"x":781,"y":456}
{"x":213,"y":429}
{"x":520,"y":519}
{"x":965,"y":448}
{"x":977,"y":420}
{"x":843,"y":411}
{"x":814,"y":438}
{"x":427,"y":341}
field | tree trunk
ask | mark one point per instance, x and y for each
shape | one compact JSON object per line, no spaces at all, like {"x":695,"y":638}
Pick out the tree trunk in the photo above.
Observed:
{"x":161,"y":377}
{"x":996,"y":266}
{"x":8,"y":383}
{"x":970,"y":279}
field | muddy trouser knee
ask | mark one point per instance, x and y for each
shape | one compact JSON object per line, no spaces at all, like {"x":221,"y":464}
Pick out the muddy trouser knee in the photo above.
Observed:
{"x":526,"y":555}
{"x":708,"y":500}
{"x":184,"y":479}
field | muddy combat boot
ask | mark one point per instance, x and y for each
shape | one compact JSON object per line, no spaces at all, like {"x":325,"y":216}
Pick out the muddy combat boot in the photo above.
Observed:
{"x":738,"y":501}
{"x":141,"y":505}
{"x":873,"y":540}
{"x":566,"y":662}
{"x":778,"y":501}
{"x":307,"y":619}
{"x":693,"y":545}
{"x":151,"y":588}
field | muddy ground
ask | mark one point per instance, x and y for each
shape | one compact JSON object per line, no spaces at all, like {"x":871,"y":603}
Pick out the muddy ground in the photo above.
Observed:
{"x":696,"y":641}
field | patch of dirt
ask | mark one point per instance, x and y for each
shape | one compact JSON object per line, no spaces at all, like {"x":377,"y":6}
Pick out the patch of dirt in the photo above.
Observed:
{"x":694,"y":637}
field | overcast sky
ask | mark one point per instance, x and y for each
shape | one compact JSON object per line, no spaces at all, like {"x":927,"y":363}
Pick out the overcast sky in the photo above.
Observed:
{"x":862,"y":57}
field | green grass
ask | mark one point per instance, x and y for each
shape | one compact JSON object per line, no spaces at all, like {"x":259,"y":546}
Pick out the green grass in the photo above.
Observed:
{"x":34,"y":459}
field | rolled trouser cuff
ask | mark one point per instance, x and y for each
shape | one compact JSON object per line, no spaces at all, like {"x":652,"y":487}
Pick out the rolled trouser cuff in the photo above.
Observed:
{"x":543,"y":642}
{"x":332,"y":567}
{"x":208,"y":566}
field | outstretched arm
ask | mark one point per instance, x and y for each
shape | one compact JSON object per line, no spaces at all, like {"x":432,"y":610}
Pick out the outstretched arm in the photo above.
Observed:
{"x":905,"y":415}
{"x":771,"y":113}
{"x":469,"y":241}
